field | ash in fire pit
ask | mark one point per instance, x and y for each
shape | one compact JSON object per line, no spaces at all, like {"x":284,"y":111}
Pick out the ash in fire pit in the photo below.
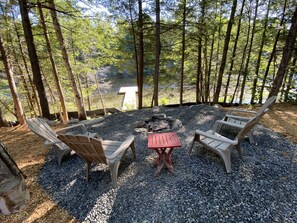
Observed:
{"x":160,"y":123}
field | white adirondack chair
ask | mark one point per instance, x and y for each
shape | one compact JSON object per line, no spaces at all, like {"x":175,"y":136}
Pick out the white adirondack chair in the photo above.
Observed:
{"x":222,"y":145}
{"x":238,"y":122}
{"x":41,"y":128}
{"x":94,"y":150}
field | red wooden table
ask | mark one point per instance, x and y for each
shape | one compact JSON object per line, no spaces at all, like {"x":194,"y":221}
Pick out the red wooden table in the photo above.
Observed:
{"x":163,"y":144}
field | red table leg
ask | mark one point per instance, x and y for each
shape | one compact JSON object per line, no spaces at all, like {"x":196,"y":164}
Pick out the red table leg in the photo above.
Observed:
{"x":164,"y":159}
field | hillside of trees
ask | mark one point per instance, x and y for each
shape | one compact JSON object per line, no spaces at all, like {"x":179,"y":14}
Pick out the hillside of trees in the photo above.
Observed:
{"x":223,"y":51}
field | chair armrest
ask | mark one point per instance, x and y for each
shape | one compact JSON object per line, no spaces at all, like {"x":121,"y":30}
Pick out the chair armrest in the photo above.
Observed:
{"x":123,"y":147}
{"x":48,"y":143}
{"x":237,"y":117}
{"x":81,"y":126}
{"x":241,"y":111}
{"x":212,"y":135}
{"x":94,"y":135}
{"x":221,"y":122}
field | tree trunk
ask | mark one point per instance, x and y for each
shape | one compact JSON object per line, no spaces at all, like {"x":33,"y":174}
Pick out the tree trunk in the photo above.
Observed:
{"x":8,"y":109}
{"x":141,"y":55}
{"x":80,"y":108}
{"x":100,"y":95}
{"x":289,"y":84}
{"x":225,"y":51}
{"x":199,"y":60}
{"x":64,"y":118}
{"x":287,"y":52}
{"x":272,"y":54}
{"x":13,"y":192}
{"x":205,"y":37}
{"x":183,"y":53}
{"x":34,"y":97}
{"x":255,"y":81}
{"x":46,"y":84}
{"x":21,"y":73}
{"x":8,"y":69}
{"x":246,"y":71}
{"x":34,"y":59}
{"x":218,"y":50}
{"x":88,"y":93}
{"x":234,"y":52}
{"x":157,"y":53}
{"x":210,"y":65}
{"x":23,"y":81}
{"x":243,"y":59}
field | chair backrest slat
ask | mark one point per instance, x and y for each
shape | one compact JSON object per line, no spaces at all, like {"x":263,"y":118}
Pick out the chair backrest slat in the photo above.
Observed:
{"x":40,"y":127}
{"x":268,"y":103}
{"x":90,"y":150}
{"x":248,"y":126}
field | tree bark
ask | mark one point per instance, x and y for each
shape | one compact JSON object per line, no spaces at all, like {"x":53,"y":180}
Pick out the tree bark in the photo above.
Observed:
{"x":225,"y":51}
{"x":88,"y":93}
{"x":157,"y":54}
{"x":255,"y":81}
{"x":204,"y":36}
{"x":141,"y":55}
{"x":23,"y":80}
{"x":234,"y":51}
{"x":289,"y":84}
{"x":34,"y":97}
{"x":218,"y":49}
{"x":21,"y":73}
{"x":13,"y":89}
{"x":199,"y":77}
{"x":80,"y":108}
{"x":243,"y":58}
{"x":37,"y":79}
{"x":100,"y":95}
{"x":210,"y":65}
{"x":287,"y":53}
{"x":183,"y":53}
{"x":64,"y":117}
{"x":272,"y":54}
{"x":246,"y":71}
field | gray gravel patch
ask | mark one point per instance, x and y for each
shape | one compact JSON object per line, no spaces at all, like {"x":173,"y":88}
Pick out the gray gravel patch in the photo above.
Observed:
{"x":262,"y":186}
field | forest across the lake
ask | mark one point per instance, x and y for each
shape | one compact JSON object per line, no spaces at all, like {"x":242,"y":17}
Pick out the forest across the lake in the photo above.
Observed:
{"x":60,"y":56}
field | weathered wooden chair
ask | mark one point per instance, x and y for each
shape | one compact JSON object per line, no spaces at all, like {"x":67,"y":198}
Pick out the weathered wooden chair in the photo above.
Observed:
{"x":222,"y":145}
{"x":41,"y":128}
{"x":94,"y":150}
{"x":238,"y":122}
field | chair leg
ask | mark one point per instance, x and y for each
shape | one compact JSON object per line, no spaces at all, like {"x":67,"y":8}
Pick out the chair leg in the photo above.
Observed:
{"x":114,"y":167}
{"x":250,"y":135}
{"x":61,"y":154}
{"x":238,"y":150}
{"x":132,"y":146}
{"x":217,"y":127}
{"x":88,"y":170}
{"x":196,"y":138}
{"x":226,"y":156}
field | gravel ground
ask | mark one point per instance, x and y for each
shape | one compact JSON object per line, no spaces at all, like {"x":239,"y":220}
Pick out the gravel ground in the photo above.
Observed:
{"x":261,"y":188}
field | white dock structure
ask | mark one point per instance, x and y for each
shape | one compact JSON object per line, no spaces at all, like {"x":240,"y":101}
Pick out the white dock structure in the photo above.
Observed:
{"x":129,"y":101}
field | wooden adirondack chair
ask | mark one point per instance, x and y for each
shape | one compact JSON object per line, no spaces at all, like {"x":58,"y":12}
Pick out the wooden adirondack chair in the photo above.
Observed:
{"x":94,"y":150}
{"x":222,"y":145}
{"x":41,"y":128}
{"x":238,"y":122}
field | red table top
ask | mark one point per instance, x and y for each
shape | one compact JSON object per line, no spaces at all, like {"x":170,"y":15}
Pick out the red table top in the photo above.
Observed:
{"x":163,"y":140}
